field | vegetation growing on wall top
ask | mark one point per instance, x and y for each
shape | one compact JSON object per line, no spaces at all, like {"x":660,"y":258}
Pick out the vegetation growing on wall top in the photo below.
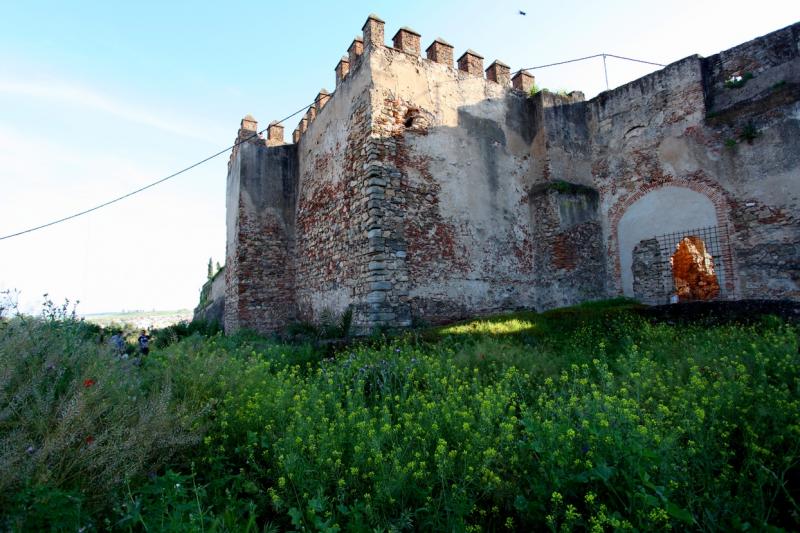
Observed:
{"x":738,"y":81}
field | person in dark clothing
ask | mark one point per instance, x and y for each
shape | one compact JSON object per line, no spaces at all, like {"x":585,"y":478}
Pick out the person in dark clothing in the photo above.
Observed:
{"x":144,"y":343}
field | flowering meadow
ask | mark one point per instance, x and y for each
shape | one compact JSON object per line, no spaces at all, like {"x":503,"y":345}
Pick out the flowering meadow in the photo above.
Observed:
{"x":585,"y":418}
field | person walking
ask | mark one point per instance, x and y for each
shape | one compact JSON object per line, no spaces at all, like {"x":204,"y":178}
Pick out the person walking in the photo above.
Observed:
{"x":118,"y":344}
{"x":144,"y":343}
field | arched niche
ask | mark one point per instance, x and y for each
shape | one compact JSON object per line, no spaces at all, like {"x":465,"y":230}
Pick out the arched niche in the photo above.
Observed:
{"x":661,"y":211}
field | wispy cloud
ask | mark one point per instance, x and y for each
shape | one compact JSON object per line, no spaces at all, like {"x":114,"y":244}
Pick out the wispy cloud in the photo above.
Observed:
{"x":73,"y":94}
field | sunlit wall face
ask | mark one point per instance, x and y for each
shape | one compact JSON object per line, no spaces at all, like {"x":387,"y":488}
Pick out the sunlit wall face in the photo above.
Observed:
{"x":98,"y":100}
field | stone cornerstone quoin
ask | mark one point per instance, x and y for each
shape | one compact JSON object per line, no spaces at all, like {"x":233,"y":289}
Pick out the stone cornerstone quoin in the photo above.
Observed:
{"x":435,"y":189}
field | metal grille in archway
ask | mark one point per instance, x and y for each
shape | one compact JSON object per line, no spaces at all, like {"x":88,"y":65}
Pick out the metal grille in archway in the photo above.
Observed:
{"x":717,"y":244}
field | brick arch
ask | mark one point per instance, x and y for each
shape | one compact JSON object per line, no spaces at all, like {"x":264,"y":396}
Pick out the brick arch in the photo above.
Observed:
{"x":697,"y":182}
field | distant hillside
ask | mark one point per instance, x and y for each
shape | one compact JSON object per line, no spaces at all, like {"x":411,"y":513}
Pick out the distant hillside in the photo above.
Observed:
{"x":141,"y":319}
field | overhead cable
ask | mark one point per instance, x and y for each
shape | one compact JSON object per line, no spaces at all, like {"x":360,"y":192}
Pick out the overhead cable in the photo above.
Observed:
{"x":153,"y":184}
{"x":591,"y":57}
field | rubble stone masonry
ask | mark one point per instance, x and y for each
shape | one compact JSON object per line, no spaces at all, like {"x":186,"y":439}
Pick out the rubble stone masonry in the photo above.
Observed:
{"x":419,"y":191}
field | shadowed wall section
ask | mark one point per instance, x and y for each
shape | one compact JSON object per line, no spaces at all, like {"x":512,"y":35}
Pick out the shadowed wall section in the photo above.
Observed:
{"x":259,"y":272}
{"x":422,"y":189}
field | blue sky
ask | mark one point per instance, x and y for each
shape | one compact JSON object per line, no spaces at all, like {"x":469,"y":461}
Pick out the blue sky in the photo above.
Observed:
{"x":99,"y":98}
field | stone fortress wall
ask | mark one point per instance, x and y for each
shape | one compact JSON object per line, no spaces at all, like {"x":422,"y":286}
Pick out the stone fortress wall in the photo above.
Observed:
{"x":420,"y":190}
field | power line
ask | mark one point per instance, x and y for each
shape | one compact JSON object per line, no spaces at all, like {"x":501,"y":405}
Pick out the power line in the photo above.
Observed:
{"x":158,"y":182}
{"x":560,"y":63}
{"x":636,"y":60}
{"x":605,"y":67}
{"x":209,"y":158}
{"x":591,"y":57}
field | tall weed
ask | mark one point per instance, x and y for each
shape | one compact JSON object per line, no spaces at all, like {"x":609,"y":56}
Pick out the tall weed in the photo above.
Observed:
{"x":76,"y":419}
{"x":587,"y":418}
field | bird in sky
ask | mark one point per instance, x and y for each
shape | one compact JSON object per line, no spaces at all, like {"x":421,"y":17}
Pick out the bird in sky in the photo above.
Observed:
{"x":521,"y":12}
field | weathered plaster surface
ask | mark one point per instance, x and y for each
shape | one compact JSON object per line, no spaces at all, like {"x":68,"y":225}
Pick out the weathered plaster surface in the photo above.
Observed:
{"x":458,"y":173}
{"x":421,"y":191}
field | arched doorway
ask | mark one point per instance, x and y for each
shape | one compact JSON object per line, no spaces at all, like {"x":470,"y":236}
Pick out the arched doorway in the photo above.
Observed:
{"x":666,"y":214}
{"x":693,"y":273}
{"x":646,"y":231}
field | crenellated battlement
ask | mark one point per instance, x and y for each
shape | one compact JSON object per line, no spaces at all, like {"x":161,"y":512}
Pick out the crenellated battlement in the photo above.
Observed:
{"x":248,"y":132}
{"x":355,"y":50}
{"x":471,"y":62}
{"x":499,"y":72}
{"x":432,"y":188}
{"x":440,"y":51}
{"x":728,"y":65}
{"x":408,"y":41}
{"x":523,"y":81}
{"x":275,"y":134}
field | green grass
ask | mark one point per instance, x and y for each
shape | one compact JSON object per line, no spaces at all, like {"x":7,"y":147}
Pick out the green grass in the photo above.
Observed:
{"x":582,"y":418}
{"x":503,"y":325}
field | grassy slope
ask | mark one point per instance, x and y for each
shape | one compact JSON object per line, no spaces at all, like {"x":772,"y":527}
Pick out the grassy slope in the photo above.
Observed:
{"x":580,"y":418}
